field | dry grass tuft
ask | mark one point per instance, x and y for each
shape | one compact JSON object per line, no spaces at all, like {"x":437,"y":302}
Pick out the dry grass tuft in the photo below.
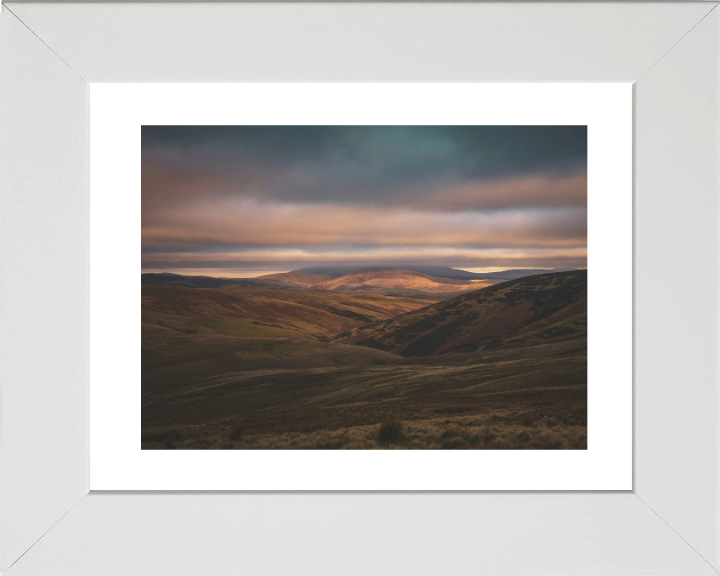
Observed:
{"x":453,"y":431}
{"x":236,"y":433}
{"x":529,"y":418}
{"x":389,"y":431}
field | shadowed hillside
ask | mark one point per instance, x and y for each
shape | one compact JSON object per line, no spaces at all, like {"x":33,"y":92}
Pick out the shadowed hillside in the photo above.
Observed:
{"x":501,"y":399}
{"x":530,"y":310}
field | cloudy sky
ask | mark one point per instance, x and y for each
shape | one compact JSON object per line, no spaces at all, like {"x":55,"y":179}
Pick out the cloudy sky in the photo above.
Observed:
{"x":247,"y":200}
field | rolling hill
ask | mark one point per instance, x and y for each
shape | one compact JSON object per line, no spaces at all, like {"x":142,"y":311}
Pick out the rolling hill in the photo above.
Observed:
{"x":389,"y":282}
{"x":297,"y":279}
{"x":437,"y":271}
{"x":246,"y":311}
{"x":398,"y":279}
{"x":529,"y":310}
{"x":194,"y":333}
{"x":424,"y":282}
{"x":189,"y":359}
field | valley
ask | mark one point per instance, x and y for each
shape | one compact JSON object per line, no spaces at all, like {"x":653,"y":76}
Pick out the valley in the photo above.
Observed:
{"x":313,"y":361}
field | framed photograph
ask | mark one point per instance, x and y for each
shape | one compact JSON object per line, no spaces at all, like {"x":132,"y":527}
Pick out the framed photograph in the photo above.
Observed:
{"x":269,"y":282}
{"x":247,"y":355}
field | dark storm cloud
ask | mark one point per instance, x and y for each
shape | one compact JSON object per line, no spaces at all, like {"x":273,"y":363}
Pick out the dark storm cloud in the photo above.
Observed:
{"x":356,"y":164}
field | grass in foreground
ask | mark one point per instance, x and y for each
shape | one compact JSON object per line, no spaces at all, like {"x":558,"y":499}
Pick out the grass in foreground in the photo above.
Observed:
{"x":509,"y":430}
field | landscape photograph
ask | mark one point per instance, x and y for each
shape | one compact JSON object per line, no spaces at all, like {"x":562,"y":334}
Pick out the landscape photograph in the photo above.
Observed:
{"x":364,"y":288}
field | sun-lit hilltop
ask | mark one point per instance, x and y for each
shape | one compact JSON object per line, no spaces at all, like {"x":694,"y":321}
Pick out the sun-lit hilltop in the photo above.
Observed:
{"x":380,"y":280}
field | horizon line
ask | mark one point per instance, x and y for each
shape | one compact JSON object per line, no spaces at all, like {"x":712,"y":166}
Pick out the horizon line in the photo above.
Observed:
{"x":271,"y":272}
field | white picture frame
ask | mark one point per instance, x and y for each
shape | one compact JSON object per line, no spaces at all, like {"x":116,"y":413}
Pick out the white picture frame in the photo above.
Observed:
{"x":50,"y":523}
{"x":117,"y":112}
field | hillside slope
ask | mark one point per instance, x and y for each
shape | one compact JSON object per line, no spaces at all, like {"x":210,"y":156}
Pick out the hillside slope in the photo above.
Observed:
{"x":245,"y":311}
{"x":190,"y":359}
{"x":398,"y":279}
{"x":297,"y":280}
{"x":530,"y":310}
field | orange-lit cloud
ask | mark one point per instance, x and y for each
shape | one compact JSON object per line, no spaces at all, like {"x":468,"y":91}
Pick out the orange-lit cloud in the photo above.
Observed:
{"x":252,"y":224}
{"x":536,"y":190}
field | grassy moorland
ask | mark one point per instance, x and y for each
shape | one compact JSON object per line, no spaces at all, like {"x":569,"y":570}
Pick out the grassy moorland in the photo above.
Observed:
{"x":246,"y":311}
{"x":503,"y":367}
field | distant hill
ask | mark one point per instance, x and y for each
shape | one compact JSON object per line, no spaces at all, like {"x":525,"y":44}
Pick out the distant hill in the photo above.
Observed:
{"x":439,"y":271}
{"x":384,"y":278}
{"x":422,"y":282}
{"x":528,"y":310}
{"x":169,"y":279}
{"x":386,"y":281}
{"x":521,"y":273}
